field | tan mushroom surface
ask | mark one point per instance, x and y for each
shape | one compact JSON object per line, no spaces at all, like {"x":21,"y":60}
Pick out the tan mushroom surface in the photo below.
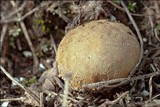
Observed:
{"x":97,"y":51}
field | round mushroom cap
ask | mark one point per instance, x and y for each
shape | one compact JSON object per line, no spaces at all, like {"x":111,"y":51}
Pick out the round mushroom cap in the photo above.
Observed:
{"x":97,"y":51}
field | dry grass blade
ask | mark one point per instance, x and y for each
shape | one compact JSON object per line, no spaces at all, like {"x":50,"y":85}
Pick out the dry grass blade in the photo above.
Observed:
{"x":13,"y":99}
{"x":3,"y":33}
{"x":53,"y":44}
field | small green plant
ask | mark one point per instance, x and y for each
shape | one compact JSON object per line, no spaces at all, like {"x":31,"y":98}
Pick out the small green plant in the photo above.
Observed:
{"x":41,"y":23}
{"x":29,"y":82}
{"x":116,"y":1}
{"x":132,"y":6}
{"x":14,"y":32}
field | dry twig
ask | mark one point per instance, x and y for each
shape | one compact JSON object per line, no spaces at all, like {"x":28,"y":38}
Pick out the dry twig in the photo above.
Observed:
{"x":115,"y":82}
{"x":29,"y":92}
{"x":53,"y":44}
{"x":61,"y":95}
{"x":41,"y":100}
{"x":150,"y":87}
{"x":66,"y":90}
{"x":21,"y":18}
{"x":35,"y":59}
{"x":15,"y":11}
{"x":106,"y":103}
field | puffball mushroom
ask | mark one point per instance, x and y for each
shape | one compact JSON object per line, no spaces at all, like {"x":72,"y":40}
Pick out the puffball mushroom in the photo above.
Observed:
{"x":97,"y":51}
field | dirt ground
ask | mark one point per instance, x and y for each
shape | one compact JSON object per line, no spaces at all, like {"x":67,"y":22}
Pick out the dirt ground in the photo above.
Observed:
{"x":30,"y":33}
